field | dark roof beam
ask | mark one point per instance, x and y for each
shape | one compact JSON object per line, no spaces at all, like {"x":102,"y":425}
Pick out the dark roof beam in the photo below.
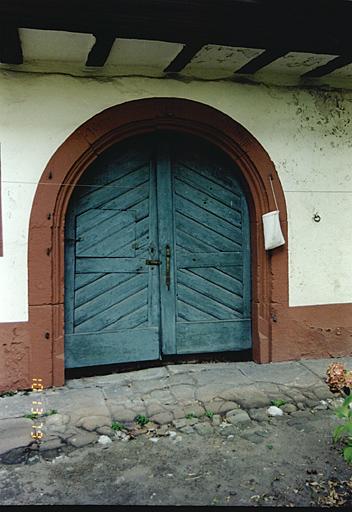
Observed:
{"x":100,"y":51}
{"x":10,"y":45}
{"x":184,"y":57}
{"x":329,"y":67}
{"x":262,"y":60}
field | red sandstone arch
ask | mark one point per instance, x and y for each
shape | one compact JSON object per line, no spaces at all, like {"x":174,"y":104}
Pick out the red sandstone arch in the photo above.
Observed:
{"x":46,"y":229}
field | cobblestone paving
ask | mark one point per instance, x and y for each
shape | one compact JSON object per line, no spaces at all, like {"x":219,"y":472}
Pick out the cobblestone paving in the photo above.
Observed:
{"x":204,"y":437}
{"x":178,"y":396}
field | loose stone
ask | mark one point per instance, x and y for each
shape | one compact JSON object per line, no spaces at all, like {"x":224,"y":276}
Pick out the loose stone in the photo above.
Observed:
{"x":258,"y":414}
{"x":241,"y":418}
{"x":91,"y":423}
{"x":192,"y":421}
{"x":204,"y":429}
{"x":321,"y":407}
{"x":289,"y":408}
{"x":216,"y":420}
{"x":83,"y":439}
{"x":122,"y":435}
{"x":51,"y":444}
{"x":105,"y":431}
{"x":163,"y":430}
{"x":104,"y":440}
{"x":232,"y":412}
{"x":187,"y":429}
{"x":162,"y":418}
{"x":179,"y":423}
{"x":275,"y":411}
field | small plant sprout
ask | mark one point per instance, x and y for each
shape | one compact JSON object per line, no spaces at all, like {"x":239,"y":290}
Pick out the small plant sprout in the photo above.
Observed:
{"x":278,"y":402}
{"x":141,"y":420}
{"x":34,"y":415}
{"x":31,"y":416}
{"x":190,"y":415}
{"x":117,"y":426}
{"x":209,"y":414}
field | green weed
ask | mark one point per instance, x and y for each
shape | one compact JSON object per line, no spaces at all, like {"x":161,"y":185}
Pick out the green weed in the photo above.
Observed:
{"x":278,"y":402}
{"x":117,"y":426}
{"x":34,"y":416}
{"x":141,"y":420}
{"x":190,"y":415}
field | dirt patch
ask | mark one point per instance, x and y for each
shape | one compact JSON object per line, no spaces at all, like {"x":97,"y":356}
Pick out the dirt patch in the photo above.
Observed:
{"x":285,"y":461}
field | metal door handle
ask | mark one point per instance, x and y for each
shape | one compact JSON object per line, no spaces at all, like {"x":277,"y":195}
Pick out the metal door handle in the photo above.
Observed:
{"x":168,"y":257}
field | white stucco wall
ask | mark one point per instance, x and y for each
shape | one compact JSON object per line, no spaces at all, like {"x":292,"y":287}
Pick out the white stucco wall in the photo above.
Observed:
{"x":306,"y":133}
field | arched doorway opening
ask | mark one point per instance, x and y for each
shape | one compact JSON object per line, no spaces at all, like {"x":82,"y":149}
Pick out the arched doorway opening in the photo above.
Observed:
{"x":105,"y":130}
{"x":157,"y":254}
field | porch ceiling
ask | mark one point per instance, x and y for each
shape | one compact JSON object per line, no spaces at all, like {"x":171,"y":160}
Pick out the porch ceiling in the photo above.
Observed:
{"x":265,"y":40}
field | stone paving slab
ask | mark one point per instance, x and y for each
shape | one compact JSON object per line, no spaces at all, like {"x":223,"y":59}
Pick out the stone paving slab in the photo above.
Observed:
{"x":76,"y":402}
{"x":15,"y":433}
{"x":164,"y":394}
{"x":281,"y":373}
{"x":16,"y":406}
{"x":319,"y":366}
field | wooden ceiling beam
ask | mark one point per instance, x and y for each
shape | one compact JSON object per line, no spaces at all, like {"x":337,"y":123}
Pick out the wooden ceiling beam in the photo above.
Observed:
{"x":184,"y":57}
{"x":262,"y":60}
{"x":10,"y":45}
{"x":329,"y":67}
{"x":100,"y":51}
{"x":320,"y":26}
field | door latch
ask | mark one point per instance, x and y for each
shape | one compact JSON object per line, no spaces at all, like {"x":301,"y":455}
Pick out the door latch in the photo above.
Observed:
{"x":152,"y":262}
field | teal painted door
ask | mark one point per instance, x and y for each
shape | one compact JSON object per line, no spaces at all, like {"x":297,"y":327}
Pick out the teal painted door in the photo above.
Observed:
{"x":169,"y":198}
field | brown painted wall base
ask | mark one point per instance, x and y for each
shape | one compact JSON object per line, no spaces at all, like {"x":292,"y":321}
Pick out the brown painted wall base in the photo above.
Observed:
{"x":311,"y":331}
{"x":306,"y":332}
{"x":36,"y":348}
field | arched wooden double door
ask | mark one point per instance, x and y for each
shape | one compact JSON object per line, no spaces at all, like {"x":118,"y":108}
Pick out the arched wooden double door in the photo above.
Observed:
{"x":157,"y":254}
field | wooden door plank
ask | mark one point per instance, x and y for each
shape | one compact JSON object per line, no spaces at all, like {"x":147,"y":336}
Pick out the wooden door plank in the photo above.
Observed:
{"x":213,"y":264}
{"x":219,"y":225}
{"x":84,"y":265}
{"x":231,"y":213}
{"x":197,"y":337}
{"x":210,"y":259}
{"x":206,"y":304}
{"x":204,"y":233}
{"x":115,"y":289}
{"x":210,"y":290}
{"x":166,"y":238}
{"x":107,"y":303}
{"x":153,"y":251}
{"x":105,"y":348}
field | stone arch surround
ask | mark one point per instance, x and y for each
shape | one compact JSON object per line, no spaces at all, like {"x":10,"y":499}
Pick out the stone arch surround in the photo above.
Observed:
{"x":279,"y":332}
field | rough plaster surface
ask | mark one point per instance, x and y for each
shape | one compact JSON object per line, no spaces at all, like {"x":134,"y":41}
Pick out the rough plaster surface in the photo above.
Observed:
{"x":306,"y":132}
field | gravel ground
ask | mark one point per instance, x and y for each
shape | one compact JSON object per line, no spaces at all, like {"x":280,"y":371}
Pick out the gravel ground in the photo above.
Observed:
{"x":283,"y":461}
